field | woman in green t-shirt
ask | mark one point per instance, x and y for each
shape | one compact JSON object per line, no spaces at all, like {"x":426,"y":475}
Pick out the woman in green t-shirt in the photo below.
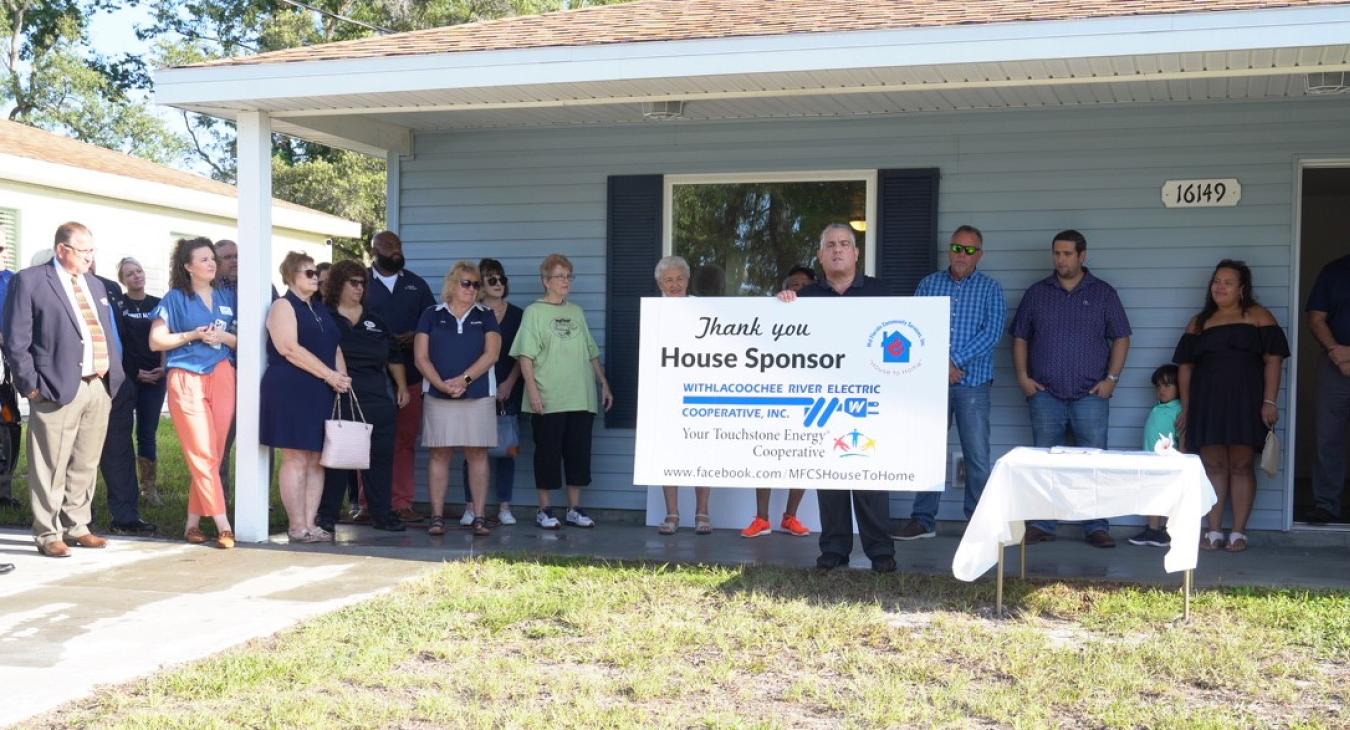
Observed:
{"x":558,"y":362}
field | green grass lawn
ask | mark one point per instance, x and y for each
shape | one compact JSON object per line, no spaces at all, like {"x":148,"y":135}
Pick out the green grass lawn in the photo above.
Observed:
{"x":514,"y":642}
{"x":170,"y":517}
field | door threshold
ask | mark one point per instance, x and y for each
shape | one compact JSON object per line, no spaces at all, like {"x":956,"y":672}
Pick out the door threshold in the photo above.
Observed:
{"x":1330,"y":527}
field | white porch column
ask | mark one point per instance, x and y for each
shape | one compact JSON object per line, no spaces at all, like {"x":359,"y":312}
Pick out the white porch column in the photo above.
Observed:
{"x":252,"y":475}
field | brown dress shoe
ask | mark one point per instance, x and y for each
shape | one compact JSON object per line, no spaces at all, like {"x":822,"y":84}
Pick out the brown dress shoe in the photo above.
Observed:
{"x":55,"y":549}
{"x":194,"y":535}
{"x":1036,"y":534}
{"x":90,"y":541}
{"x":1100,"y":539}
{"x":408,"y":514}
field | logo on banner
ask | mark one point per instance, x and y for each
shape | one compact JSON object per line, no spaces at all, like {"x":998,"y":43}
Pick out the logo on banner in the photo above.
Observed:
{"x":895,"y":347}
{"x":854,"y":443}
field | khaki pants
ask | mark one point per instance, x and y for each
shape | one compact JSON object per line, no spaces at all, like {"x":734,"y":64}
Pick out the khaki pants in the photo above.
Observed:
{"x":64,"y":444}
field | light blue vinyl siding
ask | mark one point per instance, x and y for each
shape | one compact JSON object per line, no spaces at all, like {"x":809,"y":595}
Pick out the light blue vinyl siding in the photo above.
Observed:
{"x":1019,"y":175}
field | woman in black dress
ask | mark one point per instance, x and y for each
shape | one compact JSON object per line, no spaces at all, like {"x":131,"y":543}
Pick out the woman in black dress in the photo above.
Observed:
{"x":304,"y":369}
{"x":374,"y":362}
{"x":1230,"y":360}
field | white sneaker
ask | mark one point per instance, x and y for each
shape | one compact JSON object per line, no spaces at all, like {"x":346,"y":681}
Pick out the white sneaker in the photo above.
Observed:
{"x":505,"y":517}
{"x":468,"y":517}
{"x":546,"y":520}
{"x":578,"y":518}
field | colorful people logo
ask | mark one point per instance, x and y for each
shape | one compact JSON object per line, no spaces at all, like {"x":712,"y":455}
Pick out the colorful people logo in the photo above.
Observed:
{"x":855,"y":443}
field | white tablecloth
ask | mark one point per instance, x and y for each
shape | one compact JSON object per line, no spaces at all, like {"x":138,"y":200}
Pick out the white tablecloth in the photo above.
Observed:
{"x":1034,"y":484}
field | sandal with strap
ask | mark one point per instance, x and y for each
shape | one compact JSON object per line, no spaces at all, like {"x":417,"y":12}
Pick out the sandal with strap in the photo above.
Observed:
{"x":1237,"y":542}
{"x":671,"y":524}
{"x":702,"y":524}
{"x":437,"y":526}
{"x":1212,"y":540}
{"x":480,"y":528}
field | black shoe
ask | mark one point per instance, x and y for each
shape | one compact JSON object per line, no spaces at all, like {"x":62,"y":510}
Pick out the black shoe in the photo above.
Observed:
{"x":393,"y":524}
{"x":884,"y":565}
{"x":1322,"y":516}
{"x":6,"y":568}
{"x":1036,"y":534}
{"x":830,"y":561}
{"x":326,"y":526}
{"x":1100,"y":539}
{"x":131,"y":528}
{"x":1150,"y":536}
{"x":9,"y":502}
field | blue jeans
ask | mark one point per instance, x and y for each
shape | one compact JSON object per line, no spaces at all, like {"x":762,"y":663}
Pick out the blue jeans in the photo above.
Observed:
{"x":149,"y":404}
{"x":505,"y":467}
{"x":968,"y":405}
{"x":1053,"y":417}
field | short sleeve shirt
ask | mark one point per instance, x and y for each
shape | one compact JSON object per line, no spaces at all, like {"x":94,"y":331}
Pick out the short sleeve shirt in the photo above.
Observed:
{"x":1162,"y":421}
{"x":183,"y":312}
{"x":402,"y":306}
{"x":556,"y":339}
{"x":1069,"y":333}
{"x":455,"y":344}
{"x":862,"y":286}
{"x":1331,"y":294}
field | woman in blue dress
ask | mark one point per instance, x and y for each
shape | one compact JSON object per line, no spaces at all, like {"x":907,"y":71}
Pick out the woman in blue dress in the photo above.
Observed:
{"x":304,"y":370}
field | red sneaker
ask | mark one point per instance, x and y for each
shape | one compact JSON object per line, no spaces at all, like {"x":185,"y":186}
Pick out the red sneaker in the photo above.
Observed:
{"x":759,"y":527}
{"x":794,"y":526}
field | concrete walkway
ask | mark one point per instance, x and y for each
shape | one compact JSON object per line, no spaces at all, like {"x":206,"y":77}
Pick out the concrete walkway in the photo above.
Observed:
{"x":111,"y":616}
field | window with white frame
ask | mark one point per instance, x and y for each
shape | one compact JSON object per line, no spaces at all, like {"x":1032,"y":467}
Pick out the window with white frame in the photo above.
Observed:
{"x":742,"y":234}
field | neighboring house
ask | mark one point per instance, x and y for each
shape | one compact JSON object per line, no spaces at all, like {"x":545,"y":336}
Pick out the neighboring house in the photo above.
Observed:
{"x":133,"y":206}
{"x":603,"y":133}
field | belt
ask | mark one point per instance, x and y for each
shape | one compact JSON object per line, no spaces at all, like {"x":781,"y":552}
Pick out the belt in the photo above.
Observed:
{"x":89,"y":378}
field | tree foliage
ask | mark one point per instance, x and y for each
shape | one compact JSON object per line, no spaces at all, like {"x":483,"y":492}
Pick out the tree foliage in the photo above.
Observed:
{"x":53,"y":81}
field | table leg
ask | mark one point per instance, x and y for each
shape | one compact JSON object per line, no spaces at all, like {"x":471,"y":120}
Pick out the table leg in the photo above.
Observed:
{"x":1186,"y":581}
{"x":1024,"y":558}
{"x":998,"y":581}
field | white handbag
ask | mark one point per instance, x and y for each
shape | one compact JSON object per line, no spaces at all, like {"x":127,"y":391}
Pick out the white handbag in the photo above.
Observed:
{"x":1270,"y":454}
{"x":346,"y":444}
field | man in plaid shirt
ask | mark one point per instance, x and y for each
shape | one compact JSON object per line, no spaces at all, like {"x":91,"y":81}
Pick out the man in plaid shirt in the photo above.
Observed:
{"x":978,"y":314}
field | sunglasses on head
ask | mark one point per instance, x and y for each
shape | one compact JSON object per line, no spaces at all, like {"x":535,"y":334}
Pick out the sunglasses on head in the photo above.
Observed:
{"x":310,"y":273}
{"x":967,"y":250}
{"x":470,"y":283}
{"x":494,"y":280}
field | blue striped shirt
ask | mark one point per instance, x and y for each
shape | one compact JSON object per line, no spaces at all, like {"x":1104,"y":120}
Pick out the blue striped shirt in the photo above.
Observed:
{"x":979,"y":312}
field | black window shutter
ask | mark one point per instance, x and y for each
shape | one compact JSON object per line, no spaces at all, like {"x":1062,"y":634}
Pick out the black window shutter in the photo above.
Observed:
{"x":632,"y":248}
{"x":907,"y":206}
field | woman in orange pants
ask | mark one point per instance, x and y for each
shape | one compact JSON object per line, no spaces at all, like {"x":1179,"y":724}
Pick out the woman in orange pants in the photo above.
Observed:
{"x":195,"y":324}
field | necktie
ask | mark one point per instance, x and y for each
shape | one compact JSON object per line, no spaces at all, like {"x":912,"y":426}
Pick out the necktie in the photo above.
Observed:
{"x":95,"y":329}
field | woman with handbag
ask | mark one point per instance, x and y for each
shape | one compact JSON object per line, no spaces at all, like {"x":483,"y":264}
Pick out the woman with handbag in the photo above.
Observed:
{"x":304,"y":369}
{"x":194,"y":323}
{"x":374,"y":362}
{"x":502,"y":458}
{"x":455,"y":349}
{"x":1230,"y":360}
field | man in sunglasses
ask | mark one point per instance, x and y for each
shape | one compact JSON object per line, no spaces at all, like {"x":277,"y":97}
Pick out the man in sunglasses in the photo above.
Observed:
{"x":400,"y":297}
{"x":979,"y":312}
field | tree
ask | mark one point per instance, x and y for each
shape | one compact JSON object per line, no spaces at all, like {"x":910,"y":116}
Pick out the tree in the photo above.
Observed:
{"x":53,"y":81}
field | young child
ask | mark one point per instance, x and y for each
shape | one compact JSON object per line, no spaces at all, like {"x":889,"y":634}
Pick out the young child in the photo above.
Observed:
{"x":1161,"y":426}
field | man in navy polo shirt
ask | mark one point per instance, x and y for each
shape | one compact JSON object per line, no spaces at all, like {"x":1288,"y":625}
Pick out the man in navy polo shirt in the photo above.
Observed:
{"x":1070,"y":338}
{"x":1329,"y":319}
{"x":400,"y":297}
{"x":838,"y":257}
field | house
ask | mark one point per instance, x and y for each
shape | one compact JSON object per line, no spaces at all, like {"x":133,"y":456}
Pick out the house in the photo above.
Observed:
{"x":134,"y":207}
{"x":1173,"y":133}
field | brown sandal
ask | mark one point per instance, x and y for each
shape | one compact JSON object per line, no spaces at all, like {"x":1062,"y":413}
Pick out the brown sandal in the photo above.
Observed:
{"x":437,"y":526}
{"x":194,"y":535}
{"x":480,"y":528}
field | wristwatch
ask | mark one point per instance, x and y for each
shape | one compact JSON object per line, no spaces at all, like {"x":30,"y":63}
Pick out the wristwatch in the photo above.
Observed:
{"x":1113,"y":377}
{"x":468,"y":378}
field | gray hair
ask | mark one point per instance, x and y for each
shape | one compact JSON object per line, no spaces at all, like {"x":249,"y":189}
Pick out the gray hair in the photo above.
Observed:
{"x":840,"y":227}
{"x":671,"y":261}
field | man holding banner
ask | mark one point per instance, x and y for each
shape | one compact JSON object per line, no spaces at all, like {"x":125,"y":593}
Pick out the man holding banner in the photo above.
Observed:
{"x":838,"y":257}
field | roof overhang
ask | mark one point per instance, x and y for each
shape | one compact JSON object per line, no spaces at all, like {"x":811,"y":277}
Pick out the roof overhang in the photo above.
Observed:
{"x":375,"y":104}
{"x":30,"y":171}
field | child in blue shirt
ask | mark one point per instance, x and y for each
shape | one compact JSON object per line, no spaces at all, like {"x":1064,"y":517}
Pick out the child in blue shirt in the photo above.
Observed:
{"x":1161,"y":425}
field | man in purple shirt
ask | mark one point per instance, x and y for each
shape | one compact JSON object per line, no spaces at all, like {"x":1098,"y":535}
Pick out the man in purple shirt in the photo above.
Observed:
{"x":1070,"y":338}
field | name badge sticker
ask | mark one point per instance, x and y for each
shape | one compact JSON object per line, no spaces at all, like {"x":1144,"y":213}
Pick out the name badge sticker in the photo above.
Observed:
{"x":226,"y":310}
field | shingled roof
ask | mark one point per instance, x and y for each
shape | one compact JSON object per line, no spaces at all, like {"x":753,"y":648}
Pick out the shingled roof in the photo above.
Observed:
{"x":22,"y":140}
{"x":674,"y":20}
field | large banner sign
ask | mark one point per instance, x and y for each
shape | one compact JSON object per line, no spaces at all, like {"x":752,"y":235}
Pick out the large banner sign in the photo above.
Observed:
{"x":818,"y":393}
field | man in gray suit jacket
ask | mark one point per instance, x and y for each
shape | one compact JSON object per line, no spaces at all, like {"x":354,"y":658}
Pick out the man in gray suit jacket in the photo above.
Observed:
{"x":60,"y":344}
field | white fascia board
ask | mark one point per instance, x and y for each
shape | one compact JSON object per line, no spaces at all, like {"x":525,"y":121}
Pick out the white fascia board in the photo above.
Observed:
{"x":255,"y":84}
{"x":119,"y":187}
{"x":360,"y":135}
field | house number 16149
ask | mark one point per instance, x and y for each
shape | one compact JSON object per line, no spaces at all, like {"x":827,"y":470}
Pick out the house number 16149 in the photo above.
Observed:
{"x":1216,"y":193}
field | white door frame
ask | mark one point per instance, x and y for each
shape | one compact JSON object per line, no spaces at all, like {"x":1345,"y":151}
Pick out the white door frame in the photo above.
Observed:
{"x":1295,"y":325}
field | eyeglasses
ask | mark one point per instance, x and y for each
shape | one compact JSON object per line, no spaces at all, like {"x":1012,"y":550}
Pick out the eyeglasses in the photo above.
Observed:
{"x":357,"y":282}
{"x":310,"y":273}
{"x":569,"y":277}
{"x":967,"y":250}
{"x":80,"y":251}
{"x":491,"y":280}
{"x":470,"y":283}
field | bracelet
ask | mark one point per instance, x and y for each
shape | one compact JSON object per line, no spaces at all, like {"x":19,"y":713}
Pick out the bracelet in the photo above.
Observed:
{"x":1271,"y":402}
